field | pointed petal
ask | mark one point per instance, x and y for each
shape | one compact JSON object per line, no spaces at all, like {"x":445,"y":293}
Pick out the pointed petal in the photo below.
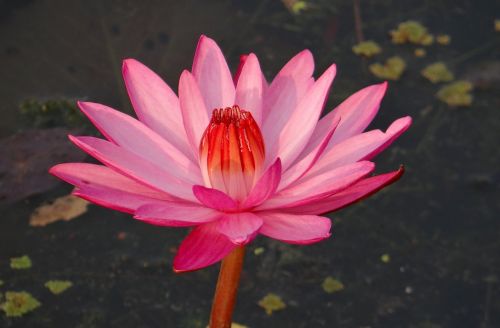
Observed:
{"x":265,"y":187}
{"x":358,"y":191}
{"x":240,"y":228}
{"x":155,"y":104}
{"x":175,"y":214}
{"x":299,"y":128}
{"x":194,"y":113}
{"x":249,"y":88}
{"x":137,"y":138}
{"x":212,"y":74}
{"x":295,"y":229}
{"x":202,"y":247}
{"x":360,"y":147}
{"x":214,"y":198}
{"x":133,"y":166}
{"x":319,"y":187}
{"x":283,"y":95}
{"x":356,"y":112}
{"x":103,"y":186}
{"x":307,"y":159}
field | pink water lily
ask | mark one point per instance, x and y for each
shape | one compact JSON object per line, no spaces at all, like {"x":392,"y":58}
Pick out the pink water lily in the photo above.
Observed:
{"x":233,"y":158}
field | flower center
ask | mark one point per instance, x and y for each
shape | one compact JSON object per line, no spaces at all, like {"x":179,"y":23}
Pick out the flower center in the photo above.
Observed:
{"x":232,"y":151}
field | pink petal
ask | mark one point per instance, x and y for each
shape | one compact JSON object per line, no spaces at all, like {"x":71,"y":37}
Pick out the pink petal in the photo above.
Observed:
{"x":105,"y":187}
{"x":133,"y":166}
{"x":360,"y":147}
{"x":356,"y":113}
{"x":289,"y":85}
{"x":358,"y":191}
{"x":265,"y":187}
{"x":249,"y":88}
{"x":204,"y":246}
{"x":194,"y":113}
{"x":240,"y":228}
{"x":300,"y":126}
{"x":214,"y":198}
{"x":212,"y":74}
{"x":318,"y":187}
{"x":243,"y":59}
{"x":135,"y":137}
{"x":295,"y":229}
{"x":175,"y":214}
{"x":307,"y":159}
{"x":155,"y":103}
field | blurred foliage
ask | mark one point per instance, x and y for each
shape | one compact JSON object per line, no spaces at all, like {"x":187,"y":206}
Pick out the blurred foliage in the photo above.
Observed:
{"x":412,"y":32}
{"x":437,"y":72}
{"x":19,"y":303}
{"x":456,"y":94}
{"x":272,"y":302}
{"x":393,"y":68}
{"x":331,"y":285}
{"x":443,"y":39}
{"x":51,"y":113}
{"x":58,"y":286}
{"x":367,"y":49}
{"x":23,"y":262}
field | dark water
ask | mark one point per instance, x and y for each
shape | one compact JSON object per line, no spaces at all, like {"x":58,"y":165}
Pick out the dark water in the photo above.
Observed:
{"x":440,"y":224}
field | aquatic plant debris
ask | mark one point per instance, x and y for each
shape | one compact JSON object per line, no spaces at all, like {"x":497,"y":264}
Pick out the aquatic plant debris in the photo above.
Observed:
{"x":420,"y":52}
{"x":411,"y":32}
{"x":367,"y":49}
{"x":391,"y":70}
{"x":63,"y":208}
{"x":237,"y":325}
{"x":272,"y":302}
{"x":437,"y":72}
{"x":19,"y":303}
{"x":443,"y":39}
{"x":385,"y":258}
{"x":22,"y":262}
{"x":331,"y":285}
{"x":56,"y":287}
{"x":497,"y":25}
{"x":295,"y":6}
{"x":258,"y":250}
{"x":456,"y":94}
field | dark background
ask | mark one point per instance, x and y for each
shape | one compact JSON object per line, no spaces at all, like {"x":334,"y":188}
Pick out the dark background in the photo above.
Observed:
{"x":439,"y":224}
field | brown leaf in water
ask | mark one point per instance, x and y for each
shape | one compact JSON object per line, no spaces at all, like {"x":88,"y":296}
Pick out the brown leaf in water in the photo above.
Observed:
{"x":63,"y":208}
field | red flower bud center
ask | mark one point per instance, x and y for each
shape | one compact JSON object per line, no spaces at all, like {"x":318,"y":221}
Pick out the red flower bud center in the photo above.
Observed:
{"x":232,"y":150}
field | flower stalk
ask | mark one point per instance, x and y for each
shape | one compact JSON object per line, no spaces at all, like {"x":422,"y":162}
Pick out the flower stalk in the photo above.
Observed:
{"x":227,"y":288}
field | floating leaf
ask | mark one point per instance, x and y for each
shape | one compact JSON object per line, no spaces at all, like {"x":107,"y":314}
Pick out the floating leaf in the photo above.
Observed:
{"x":367,"y":49}
{"x":332,"y":285}
{"x":23,"y":262}
{"x":411,"y":32}
{"x":456,"y":93}
{"x":391,"y":70}
{"x":237,"y":325}
{"x":443,"y":39}
{"x":63,"y":208}
{"x":385,"y":258}
{"x":420,"y":52}
{"x":295,"y":6}
{"x":19,"y":303}
{"x":58,"y":286}
{"x":258,"y":250}
{"x":437,"y":72}
{"x":272,"y":302}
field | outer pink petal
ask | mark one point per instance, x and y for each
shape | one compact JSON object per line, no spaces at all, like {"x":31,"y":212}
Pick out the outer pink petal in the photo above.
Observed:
{"x":249,"y":88}
{"x":358,"y":191}
{"x":135,"y":137}
{"x":103,"y":186}
{"x":318,"y":187}
{"x":243,"y":59}
{"x":307,"y":159}
{"x":360,"y":147}
{"x":289,"y":85}
{"x":240,"y":228}
{"x":133,"y":166}
{"x":194,"y":113}
{"x":175,"y":214}
{"x":204,"y":246}
{"x":356,"y":112}
{"x":295,"y":229}
{"x":212,"y":74}
{"x":299,"y":128}
{"x":155,"y":103}
{"x":214,"y":198}
{"x":265,"y":187}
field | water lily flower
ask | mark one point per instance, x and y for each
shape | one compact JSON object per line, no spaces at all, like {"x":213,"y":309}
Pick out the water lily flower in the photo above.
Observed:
{"x":233,"y":157}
